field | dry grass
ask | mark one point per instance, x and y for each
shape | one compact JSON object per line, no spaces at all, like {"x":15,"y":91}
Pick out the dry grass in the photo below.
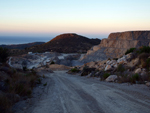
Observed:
{"x":19,"y":83}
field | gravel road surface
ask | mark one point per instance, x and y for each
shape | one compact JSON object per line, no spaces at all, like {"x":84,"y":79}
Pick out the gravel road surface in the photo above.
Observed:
{"x":66,"y":93}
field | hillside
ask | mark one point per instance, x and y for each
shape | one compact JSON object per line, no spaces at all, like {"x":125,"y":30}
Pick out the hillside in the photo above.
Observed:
{"x":116,"y":45}
{"x":66,"y":43}
{"x":21,"y":46}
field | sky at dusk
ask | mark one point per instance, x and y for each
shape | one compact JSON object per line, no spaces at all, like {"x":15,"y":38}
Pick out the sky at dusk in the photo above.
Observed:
{"x":91,"y":18}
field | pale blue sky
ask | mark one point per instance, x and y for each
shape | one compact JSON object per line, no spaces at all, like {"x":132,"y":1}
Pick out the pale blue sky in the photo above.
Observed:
{"x":91,"y":18}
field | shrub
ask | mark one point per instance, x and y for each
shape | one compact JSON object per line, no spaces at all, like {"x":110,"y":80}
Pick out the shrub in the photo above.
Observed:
{"x":134,"y":78}
{"x":75,"y":70}
{"x":45,"y":84}
{"x":144,"y":56}
{"x":144,"y":49}
{"x":52,"y":62}
{"x":120,"y":68}
{"x":105,"y":75}
{"x":148,"y":63}
{"x":144,"y":60}
{"x":130,"y":50}
{"x":33,"y":72}
{"x":24,"y":68}
{"x":122,"y":78}
{"x":4,"y":53}
{"x":20,"y":83}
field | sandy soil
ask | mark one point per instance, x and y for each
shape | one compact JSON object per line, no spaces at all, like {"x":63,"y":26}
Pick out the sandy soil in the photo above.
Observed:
{"x":66,"y":93}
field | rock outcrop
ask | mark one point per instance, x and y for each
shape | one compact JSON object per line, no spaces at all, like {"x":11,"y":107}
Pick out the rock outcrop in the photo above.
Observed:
{"x":117,"y":44}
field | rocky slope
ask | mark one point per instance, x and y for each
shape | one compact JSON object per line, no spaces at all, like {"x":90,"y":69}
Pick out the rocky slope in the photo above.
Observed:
{"x":117,"y":44}
{"x":67,"y":43}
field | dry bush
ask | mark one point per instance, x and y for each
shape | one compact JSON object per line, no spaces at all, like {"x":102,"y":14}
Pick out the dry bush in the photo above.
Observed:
{"x":144,"y":56}
{"x":21,"y":83}
{"x":18,"y":83}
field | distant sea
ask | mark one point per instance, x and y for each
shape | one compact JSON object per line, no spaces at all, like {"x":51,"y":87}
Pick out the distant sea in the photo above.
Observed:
{"x":21,"y":40}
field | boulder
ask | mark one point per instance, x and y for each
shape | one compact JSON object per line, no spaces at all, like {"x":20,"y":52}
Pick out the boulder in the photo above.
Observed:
{"x":122,"y":59}
{"x":138,"y":70}
{"x":90,"y":64}
{"x":143,"y":73}
{"x":130,"y":56}
{"x":133,"y":63}
{"x":148,"y":84}
{"x":111,"y":78}
{"x":108,"y":68}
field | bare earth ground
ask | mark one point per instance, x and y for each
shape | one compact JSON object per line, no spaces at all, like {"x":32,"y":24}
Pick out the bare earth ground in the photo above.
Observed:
{"x":66,"y":93}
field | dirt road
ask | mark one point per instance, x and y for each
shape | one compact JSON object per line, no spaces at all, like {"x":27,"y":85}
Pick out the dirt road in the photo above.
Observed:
{"x":75,"y":94}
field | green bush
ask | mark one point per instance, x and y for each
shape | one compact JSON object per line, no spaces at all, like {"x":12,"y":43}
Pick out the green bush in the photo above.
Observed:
{"x":24,"y":68}
{"x":134,"y":78}
{"x":120,"y":68}
{"x":45,"y":84}
{"x":4,"y":53}
{"x":130,"y":50}
{"x":39,"y":81}
{"x":144,"y":49}
{"x":144,"y":60}
{"x":75,"y":70}
{"x":52,"y":62}
{"x":105,"y":75}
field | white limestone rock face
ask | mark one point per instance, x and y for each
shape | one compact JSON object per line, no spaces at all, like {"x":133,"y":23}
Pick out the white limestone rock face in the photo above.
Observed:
{"x":111,"y":78}
{"x":139,"y":70}
{"x":108,"y":68}
{"x":116,"y":45}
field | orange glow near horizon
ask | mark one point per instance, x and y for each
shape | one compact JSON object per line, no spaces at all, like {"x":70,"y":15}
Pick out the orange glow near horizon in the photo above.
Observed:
{"x":75,"y":27}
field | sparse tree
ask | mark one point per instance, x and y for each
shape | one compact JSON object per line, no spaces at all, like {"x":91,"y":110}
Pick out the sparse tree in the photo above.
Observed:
{"x":4,"y":53}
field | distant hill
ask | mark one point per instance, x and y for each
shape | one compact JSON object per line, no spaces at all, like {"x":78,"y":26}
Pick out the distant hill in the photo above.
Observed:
{"x":66,"y":43}
{"x":21,"y":46}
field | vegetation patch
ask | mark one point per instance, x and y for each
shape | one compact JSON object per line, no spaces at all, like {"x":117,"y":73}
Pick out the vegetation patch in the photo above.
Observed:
{"x":144,"y":49}
{"x":105,"y":76}
{"x":45,"y":84}
{"x":120,"y":68}
{"x":16,"y":82}
{"x":75,"y":70}
{"x":134,"y":78}
{"x":52,"y":62}
{"x":129,"y":51}
{"x":4,"y":53}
